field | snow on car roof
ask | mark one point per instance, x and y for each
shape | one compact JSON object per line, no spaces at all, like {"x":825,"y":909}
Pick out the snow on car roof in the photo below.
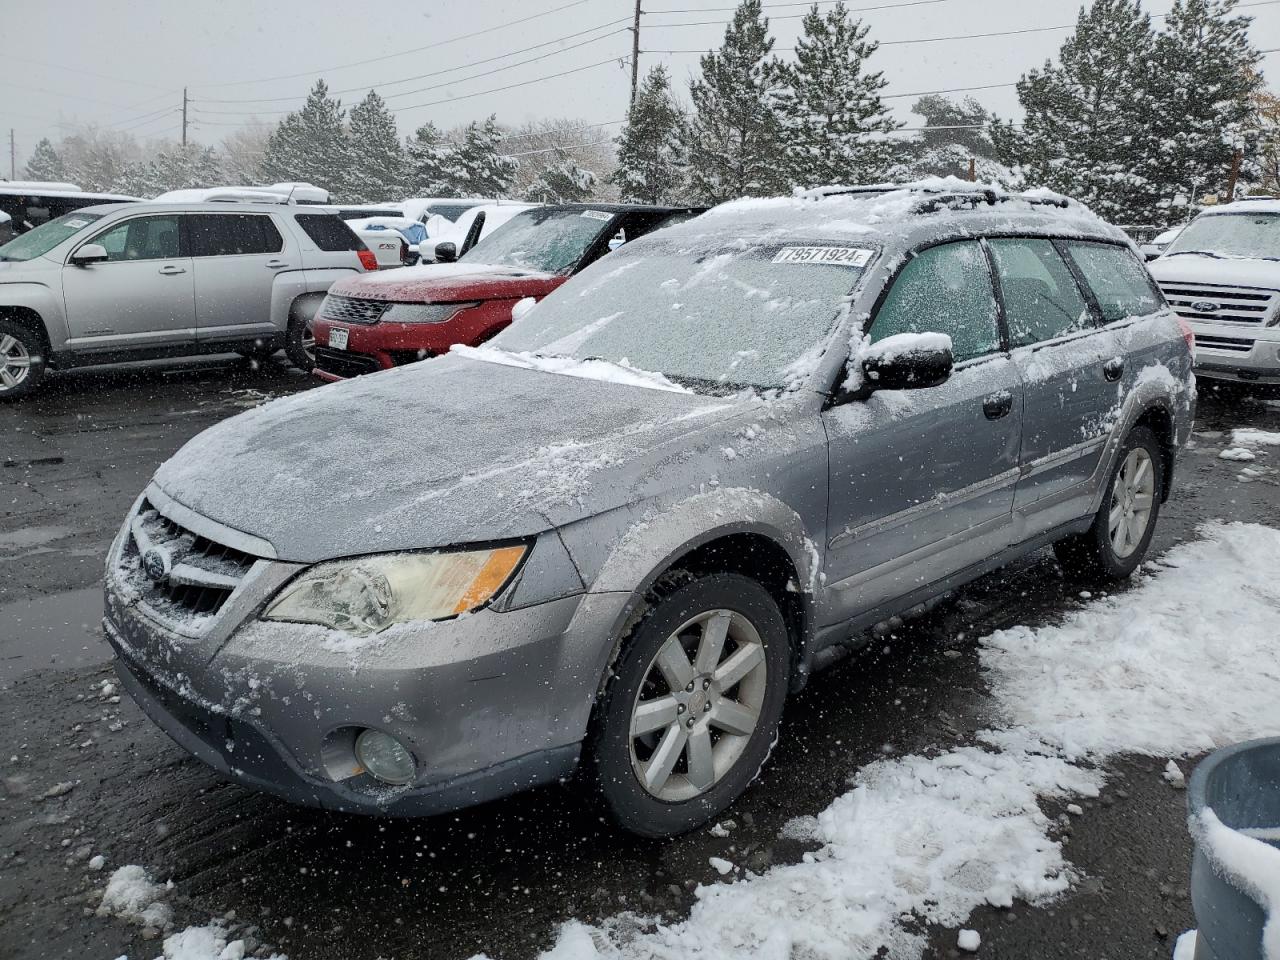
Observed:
{"x":1247,"y":205}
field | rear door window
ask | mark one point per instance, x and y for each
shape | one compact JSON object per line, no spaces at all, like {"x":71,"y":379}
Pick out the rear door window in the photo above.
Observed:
{"x":1120,"y":284}
{"x":1041,"y":298}
{"x":142,"y":238}
{"x":944,"y":289}
{"x":328,"y":232}
{"x":232,"y":234}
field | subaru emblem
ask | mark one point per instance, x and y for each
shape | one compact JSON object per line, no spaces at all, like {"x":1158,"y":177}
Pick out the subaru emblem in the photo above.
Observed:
{"x":156,"y":564}
{"x":1205,"y":306}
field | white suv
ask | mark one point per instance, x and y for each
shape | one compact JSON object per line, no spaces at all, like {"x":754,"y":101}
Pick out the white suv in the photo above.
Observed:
{"x":143,"y":280}
{"x":1222,"y":275}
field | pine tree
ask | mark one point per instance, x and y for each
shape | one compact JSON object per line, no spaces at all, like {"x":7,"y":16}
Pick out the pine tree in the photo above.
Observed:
{"x":1091,"y":129}
{"x":427,"y":161}
{"x":476,"y":167}
{"x":44,"y":163}
{"x":828,"y":104}
{"x":1206,"y":78}
{"x":310,"y":145}
{"x":563,"y":182}
{"x":731,"y":140}
{"x":649,"y":163}
{"x":378,"y":170}
{"x":942,"y":112}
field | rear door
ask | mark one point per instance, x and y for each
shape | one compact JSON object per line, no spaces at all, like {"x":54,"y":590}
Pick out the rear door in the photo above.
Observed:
{"x":1072,"y":371}
{"x":237,"y":257}
{"x":142,"y":296}
{"x":922,"y":481}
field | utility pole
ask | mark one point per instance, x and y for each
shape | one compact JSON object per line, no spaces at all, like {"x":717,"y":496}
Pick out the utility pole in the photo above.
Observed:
{"x":1234,"y":175}
{"x":635,"y":52}
{"x":13,"y":156}
{"x":973,"y":169}
{"x":184,"y":116}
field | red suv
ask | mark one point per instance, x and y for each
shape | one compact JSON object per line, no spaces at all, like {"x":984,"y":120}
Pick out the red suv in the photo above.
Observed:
{"x":378,"y":321}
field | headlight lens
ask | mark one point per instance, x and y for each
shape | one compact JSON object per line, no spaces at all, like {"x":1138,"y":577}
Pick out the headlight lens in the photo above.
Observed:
{"x":424,"y":312}
{"x":369,"y":594}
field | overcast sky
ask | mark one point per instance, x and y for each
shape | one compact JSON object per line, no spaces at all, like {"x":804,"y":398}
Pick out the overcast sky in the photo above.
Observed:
{"x":123,"y":65}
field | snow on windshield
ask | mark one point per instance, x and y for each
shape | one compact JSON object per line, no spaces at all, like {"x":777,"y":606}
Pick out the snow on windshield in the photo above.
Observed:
{"x":548,"y":240}
{"x":1255,"y":235}
{"x":702,"y":311}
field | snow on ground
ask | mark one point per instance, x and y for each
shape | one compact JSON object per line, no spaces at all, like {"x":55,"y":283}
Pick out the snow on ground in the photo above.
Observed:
{"x":1249,"y":437}
{"x":1182,"y":662}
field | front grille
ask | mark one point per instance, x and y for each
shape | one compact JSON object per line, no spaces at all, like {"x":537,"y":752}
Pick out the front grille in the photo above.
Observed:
{"x":1229,"y":304}
{"x":352,"y":310}
{"x":343,"y":364}
{"x":196,"y":575}
{"x":1230,"y":344}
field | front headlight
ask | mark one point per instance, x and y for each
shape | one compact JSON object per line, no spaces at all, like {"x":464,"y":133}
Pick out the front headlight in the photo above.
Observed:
{"x":424,"y":312}
{"x":369,"y":594}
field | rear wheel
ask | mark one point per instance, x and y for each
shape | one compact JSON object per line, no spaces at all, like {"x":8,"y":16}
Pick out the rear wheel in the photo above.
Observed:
{"x":1122,"y":530}
{"x":693,"y":706}
{"x":22,"y":360}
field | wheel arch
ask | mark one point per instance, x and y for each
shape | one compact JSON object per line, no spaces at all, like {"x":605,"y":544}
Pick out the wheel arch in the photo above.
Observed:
{"x":30,"y":318}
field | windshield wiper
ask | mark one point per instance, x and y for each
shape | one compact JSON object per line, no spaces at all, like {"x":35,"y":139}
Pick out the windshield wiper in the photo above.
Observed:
{"x":1198,"y":253}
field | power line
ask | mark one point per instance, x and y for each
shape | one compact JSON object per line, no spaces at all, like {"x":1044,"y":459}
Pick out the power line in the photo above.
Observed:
{"x":402,"y":53}
{"x":805,"y":3}
{"x":512,"y":86}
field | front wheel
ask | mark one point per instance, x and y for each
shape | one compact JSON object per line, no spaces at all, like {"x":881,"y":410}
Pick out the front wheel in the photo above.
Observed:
{"x":300,"y":340}
{"x":693,"y":706}
{"x":1122,"y":530}
{"x":22,"y":361}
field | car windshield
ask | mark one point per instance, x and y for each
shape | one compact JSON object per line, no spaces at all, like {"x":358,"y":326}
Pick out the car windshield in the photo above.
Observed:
{"x":38,"y":242}
{"x":548,"y":240}
{"x":1255,"y":235}
{"x":710,"y":314}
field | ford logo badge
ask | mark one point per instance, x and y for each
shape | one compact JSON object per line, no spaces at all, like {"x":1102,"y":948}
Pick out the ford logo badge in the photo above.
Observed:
{"x":1205,"y":306}
{"x":156,"y":564}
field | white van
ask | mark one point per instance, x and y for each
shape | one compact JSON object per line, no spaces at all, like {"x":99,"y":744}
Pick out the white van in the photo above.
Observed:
{"x":29,"y":203}
{"x":1222,"y":275}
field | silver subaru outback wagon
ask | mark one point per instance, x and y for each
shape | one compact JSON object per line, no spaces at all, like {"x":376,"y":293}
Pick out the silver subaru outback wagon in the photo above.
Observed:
{"x":610,"y":542}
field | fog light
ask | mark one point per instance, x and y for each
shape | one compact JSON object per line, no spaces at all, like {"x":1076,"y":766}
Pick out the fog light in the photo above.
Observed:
{"x":384,"y":757}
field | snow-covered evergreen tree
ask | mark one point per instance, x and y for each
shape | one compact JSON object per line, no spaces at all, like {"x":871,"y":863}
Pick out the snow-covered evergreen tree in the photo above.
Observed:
{"x":649,"y":163}
{"x":949,"y":119}
{"x":177,"y":168}
{"x":1091,"y":129}
{"x":310,"y":145}
{"x":833,"y":123}
{"x":44,"y":163}
{"x":378,"y":170}
{"x":731,"y":140}
{"x":1206,"y":79}
{"x":475,"y":166}
{"x":563,"y":182}
{"x":427,"y":159}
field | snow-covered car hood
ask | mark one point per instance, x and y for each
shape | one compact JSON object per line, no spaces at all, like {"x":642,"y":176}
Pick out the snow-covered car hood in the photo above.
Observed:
{"x":446,"y":451}
{"x":449,"y":282}
{"x":1232,"y":271}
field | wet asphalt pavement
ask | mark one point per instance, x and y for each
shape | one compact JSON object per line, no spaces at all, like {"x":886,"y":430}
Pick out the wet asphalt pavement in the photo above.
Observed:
{"x":500,"y":877}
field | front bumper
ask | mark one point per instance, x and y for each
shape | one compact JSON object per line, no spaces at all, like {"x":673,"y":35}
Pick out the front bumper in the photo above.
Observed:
{"x":1237,"y":352}
{"x":489,"y":703}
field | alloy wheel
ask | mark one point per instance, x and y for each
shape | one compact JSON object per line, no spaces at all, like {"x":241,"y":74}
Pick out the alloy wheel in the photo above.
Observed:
{"x":698,"y":705}
{"x":1132,"y":498}
{"x":309,"y":342}
{"x":15,"y":362}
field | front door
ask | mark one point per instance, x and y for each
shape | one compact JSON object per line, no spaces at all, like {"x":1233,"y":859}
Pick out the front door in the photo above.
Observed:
{"x":922,"y":481}
{"x":237,"y":258}
{"x":141,"y":296}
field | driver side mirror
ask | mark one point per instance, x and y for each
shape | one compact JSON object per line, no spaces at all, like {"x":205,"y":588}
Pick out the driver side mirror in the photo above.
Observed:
{"x":905,"y":361}
{"x":446,"y":251}
{"x":90,"y":253}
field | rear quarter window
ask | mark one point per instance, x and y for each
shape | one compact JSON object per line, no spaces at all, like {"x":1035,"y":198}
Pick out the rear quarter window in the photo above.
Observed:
{"x":328,"y":232}
{"x":1120,"y":283}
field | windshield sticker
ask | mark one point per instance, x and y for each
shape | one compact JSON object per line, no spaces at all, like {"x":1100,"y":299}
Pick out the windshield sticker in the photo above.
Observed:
{"x":77,"y":224}
{"x":597,"y":215}
{"x":840,"y":256}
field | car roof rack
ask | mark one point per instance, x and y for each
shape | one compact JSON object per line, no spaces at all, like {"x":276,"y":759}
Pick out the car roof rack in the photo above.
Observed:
{"x":936,"y":198}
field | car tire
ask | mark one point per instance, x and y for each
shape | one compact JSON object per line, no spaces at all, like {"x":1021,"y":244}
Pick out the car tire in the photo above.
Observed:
{"x":22,"y":359}
{"x":299,"y":342}
{"x":1122,"y":530}
{"x":710,"y":734}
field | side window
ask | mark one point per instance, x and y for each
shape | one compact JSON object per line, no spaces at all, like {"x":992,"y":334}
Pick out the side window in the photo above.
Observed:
{"x":232,"y":234}
{"x":945,"y":289}
{"x":1041,"y":299}
{"x":1120,"y":283}
{"x":142,"y":238}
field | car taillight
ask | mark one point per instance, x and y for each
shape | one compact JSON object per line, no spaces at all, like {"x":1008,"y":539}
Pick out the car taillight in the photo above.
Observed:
{"x":367,"y":259}
{"x":405,"y":257}
{"x":1188,"y":334}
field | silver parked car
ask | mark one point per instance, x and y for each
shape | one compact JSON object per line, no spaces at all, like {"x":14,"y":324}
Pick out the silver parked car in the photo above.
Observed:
{"x":615,"y":538}
{"x":141,"y":280}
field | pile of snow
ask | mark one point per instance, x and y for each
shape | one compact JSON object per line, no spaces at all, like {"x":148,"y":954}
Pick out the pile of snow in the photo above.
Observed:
{"x":1249,"y":437}
{"x":133,"y":896}
{"x":1182,"y":662}
{"x":211,"y":942}
{"x":1239,"y":454}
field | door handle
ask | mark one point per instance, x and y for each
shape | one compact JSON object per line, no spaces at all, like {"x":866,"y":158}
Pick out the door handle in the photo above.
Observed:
{"x":276,"y":264}
{"x":170,"y":270}
{"x":997,"y":405}
{"x":1113,"y":369}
